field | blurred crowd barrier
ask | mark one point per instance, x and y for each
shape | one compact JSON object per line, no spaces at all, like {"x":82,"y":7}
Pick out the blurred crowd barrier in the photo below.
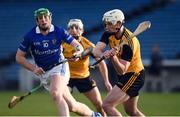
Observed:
{"x":167,"y":81}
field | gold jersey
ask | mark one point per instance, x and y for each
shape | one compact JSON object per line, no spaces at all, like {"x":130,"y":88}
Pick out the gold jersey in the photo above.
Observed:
{"x":134,"y":45}
{"x":78,"y":69}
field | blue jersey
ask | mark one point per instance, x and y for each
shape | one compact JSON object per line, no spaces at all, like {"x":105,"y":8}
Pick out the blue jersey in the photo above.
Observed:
{"x":45,"y":49}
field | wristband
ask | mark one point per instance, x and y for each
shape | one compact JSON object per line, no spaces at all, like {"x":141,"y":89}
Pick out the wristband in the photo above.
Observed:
{"x":79,"y":48}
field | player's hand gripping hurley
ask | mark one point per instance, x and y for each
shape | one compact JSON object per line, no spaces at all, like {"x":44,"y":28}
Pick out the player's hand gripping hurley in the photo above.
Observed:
{"x":143,"y":26}
{"x":86,"y":52}
{"x":16,"y":99}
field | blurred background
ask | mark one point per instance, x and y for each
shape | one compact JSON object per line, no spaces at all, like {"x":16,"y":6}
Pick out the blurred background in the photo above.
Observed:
{"x":160,"y":46}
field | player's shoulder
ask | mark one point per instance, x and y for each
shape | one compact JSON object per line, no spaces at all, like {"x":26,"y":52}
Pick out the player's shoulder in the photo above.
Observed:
{"x":58,"y":28}
{"x":106,"y":34}
{"x":86,"y":41}
{"x":105,"y":37}
{"x":30,"y":33}
{"x":127,"y":34}
{"x":127,"y":31}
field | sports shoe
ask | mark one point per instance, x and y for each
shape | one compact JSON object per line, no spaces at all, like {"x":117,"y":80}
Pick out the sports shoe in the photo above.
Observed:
{"x":96,"y":114}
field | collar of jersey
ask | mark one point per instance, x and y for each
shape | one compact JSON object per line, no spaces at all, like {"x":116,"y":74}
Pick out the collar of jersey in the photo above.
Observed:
{"x":51,"y":29}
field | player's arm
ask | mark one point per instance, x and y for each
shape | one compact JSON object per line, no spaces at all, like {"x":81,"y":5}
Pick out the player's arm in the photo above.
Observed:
{"x":100,"y":46}
{"x":104,"y":72}
{"x":99,"y":49}
{"x":123,"y":63}
{"x":78,"y":47}
{"x":21,"y":59}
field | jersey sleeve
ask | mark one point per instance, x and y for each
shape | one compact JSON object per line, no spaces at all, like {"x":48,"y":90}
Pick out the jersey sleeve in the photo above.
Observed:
{"x":105,"y":37}
{"x":67,"y":37}
{"x":127,"y":53}
{"x":25,"y":44}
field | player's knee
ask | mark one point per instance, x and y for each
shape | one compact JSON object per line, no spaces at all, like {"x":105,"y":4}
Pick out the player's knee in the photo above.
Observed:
{"x":56,"y":95}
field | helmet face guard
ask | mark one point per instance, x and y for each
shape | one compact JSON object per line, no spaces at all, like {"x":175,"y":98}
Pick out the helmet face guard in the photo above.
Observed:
{"x":42,"y":11}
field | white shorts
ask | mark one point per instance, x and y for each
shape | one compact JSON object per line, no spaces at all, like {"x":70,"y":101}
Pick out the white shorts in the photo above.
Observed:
{"x":61,"y":70}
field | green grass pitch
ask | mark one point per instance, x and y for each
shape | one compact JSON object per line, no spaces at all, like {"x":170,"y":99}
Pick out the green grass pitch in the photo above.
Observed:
{"x":41,"y":104}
